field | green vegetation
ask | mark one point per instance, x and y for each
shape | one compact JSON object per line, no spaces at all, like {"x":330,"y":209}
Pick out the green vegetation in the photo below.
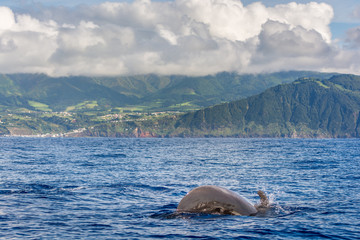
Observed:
{"x":82,"y":106}
{"x":305,"y":108}
{"x":315,"y":105}
{"x":39,"y":106}
{"x":143,"y":92}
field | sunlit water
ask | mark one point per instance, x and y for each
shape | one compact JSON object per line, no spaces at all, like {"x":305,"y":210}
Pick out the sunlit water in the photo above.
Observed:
{"x":104,"y":188}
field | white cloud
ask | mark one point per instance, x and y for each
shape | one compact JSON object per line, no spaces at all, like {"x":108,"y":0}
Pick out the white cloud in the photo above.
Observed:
{"x":311,"y":16}
{"x":283,"y":47}
{"x":193,"y":37}
{"x":7,"y":18}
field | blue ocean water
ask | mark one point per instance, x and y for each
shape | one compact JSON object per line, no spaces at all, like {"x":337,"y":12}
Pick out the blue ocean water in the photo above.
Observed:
{"x":103,"y":188}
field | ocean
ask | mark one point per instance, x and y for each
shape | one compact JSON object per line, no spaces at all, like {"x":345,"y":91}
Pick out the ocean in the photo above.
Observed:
{"x":116,"y":188}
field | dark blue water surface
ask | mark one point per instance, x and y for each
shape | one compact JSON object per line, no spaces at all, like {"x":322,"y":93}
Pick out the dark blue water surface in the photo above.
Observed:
{"x":101,"y":188}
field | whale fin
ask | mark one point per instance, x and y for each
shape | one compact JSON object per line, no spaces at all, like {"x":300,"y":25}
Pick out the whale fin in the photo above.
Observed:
{"x":264,"y":201}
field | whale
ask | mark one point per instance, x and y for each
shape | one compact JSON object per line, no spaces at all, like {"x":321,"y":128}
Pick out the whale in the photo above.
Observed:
{"x":218,"y":200}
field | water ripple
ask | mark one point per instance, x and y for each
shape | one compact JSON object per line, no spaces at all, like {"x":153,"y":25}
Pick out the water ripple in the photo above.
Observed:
{"x":129,"y":188}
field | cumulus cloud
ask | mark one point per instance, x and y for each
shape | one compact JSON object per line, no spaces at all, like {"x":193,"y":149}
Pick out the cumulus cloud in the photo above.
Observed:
{"x":193,"y":37}
{"x":7,"y":19}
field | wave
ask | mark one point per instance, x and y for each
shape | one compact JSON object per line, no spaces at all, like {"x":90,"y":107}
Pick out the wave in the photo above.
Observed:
{"x":129,"y":185}
{"x":36,"y":188}
{"x":110,"y":155}
{"x":274,"y":211}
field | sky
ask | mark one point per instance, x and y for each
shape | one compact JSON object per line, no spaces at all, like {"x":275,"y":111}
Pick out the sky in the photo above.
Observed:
{"x":187,"y":37}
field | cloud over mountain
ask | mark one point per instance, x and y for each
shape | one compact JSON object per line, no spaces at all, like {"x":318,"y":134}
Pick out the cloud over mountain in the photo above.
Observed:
{"x":193,"y":37}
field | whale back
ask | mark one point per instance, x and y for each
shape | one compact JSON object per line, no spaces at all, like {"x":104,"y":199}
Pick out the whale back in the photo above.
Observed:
{"x":213,"y":199}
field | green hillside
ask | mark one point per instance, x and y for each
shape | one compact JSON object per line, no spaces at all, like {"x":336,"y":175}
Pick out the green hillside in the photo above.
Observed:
{"x":60,"y":93}
{"x":39,"y":92}
{"x":308,"y":107}
{"x":184,"y":93}
{"x":139,"y":106}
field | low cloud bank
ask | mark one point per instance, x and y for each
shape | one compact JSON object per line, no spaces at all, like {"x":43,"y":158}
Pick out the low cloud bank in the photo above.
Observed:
{"x":192,"y":37}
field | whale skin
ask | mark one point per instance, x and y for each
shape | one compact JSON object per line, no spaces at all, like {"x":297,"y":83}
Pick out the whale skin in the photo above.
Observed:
{"x":215,"y":200}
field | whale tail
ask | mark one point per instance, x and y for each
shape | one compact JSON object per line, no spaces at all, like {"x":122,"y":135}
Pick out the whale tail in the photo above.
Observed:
{"x":264,"y":201}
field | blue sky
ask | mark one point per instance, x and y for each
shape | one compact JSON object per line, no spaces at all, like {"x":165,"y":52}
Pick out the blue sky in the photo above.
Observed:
{"x":193,"y":37}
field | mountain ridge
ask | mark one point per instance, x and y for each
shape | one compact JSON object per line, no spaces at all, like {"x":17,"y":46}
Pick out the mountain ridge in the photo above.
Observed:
{"x":144,"y":92}
{"x":308,"y":107}
{"x":320,"y":106}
